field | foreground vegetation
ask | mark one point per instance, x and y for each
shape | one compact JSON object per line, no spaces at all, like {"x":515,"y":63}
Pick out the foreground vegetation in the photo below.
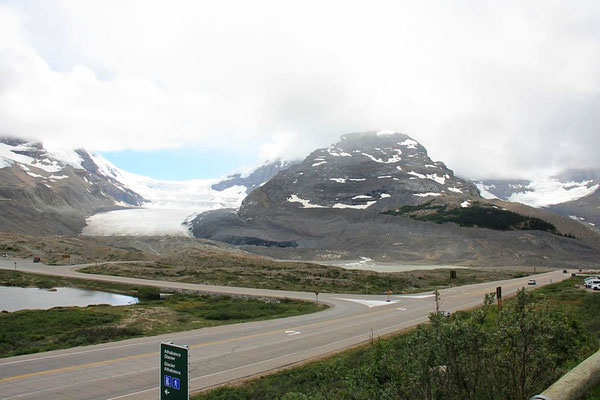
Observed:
{"x":483,"y":354}
{"x":301,"y":276}
{"x":30,"y":331}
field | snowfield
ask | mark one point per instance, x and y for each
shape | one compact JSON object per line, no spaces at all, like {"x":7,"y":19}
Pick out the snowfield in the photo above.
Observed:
{"x":169,"y":204}
{"x":139,"y":221}
{"x":542,"y":191}
{"x":551,"y":191}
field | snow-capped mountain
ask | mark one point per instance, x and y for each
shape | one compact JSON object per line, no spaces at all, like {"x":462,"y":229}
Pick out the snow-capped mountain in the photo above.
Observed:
{"x":575,"y":193}
{"x":538,"y":192}
{"x":44,"y":191}
{"x":253,"y":176}
{"x":374,"y":170}
{"x":334,"y":205}
{"x":73,"y":191}
{"x":167,"y":207}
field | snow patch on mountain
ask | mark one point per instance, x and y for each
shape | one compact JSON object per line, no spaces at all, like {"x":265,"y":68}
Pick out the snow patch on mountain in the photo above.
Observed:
{"x":484,"y":191}
{"x":305,"y":203}
{"x":5,"y":162}
{"x":427,"y":194}
{"x":409,"y":143}
{"x":49,"y":161}
{"x":393,"y":159}
{"x":355,"y":206}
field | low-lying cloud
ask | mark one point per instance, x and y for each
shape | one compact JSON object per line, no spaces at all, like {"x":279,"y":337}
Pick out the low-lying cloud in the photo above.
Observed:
{"x":494,"y":89}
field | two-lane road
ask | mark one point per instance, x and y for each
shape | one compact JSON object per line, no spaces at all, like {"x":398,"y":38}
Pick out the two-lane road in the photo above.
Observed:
{"x":130,"y":369}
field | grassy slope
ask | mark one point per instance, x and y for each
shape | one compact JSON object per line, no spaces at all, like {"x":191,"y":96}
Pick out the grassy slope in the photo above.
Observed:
{"x":299,"y":276}
{"x":30,"y":331}
{"x":342,"y":373}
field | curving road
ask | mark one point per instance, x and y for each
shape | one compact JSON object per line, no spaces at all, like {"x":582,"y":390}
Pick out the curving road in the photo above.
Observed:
{"x":129,"y":369}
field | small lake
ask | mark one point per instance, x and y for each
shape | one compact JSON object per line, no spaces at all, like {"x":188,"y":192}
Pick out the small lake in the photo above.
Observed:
{"x":18,"y":298}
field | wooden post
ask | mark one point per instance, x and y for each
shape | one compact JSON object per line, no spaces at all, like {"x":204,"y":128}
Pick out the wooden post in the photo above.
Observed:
{"x":499,"y":297}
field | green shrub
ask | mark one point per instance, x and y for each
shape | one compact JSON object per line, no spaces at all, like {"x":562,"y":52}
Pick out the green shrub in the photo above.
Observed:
{"x":148,"y":293}
{"x":477,"y":215}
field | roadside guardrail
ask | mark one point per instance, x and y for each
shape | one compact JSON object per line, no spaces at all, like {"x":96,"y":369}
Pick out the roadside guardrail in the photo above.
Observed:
{"x":575,"y":383}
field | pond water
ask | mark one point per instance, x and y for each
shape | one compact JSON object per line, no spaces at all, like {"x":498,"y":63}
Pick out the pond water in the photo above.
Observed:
{"x":18,"y":298}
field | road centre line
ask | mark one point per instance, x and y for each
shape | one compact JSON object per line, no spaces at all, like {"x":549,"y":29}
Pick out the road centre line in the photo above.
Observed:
{"x":195,"y":361}
{"x":136,"y":356}
{"x":279,"y":357}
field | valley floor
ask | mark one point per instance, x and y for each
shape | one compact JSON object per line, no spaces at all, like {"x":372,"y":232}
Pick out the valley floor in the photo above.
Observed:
{"x":298,"y":276}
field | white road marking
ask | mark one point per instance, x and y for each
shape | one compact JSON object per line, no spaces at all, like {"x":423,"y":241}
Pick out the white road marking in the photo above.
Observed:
{"x":370,"y":303}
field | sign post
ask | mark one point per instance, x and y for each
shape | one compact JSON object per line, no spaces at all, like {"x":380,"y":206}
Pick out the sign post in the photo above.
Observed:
{"x":499,"y":297}
{"x":174,"y":372}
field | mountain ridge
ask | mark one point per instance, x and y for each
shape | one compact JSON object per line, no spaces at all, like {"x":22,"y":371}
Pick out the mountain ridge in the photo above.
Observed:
{"x":331,"y":205}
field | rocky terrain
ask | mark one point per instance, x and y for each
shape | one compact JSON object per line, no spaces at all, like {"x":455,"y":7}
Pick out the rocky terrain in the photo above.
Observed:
{"x":44,"y":192}
{"x":74,"y":191}
{"x":347,"y":201}
{"x":330,"y":206}
{"x":253,"y":177}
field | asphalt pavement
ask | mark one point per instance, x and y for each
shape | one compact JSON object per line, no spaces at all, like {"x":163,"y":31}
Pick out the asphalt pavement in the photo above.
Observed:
{"x":129,"y":369}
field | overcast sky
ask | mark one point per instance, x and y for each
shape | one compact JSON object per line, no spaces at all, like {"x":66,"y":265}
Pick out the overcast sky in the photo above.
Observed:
{"x":492,"y":88}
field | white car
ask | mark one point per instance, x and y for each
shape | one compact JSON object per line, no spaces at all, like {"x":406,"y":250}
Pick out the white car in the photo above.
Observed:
{"x":531,"y":282}
{"x":596,"y":286}
{"x":590,"y":283}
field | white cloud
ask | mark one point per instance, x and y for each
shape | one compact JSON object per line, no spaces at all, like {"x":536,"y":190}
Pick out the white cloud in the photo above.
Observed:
{"x":491,"y":88}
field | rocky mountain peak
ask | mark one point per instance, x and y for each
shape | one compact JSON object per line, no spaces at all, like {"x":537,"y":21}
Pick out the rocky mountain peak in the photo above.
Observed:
{"x":367,"y":170}
{"x":254,"y":176}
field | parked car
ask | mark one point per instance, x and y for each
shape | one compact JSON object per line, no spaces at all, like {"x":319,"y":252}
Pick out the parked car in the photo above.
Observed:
{"x":591,"y":283}
{"x":36,"y":259}
{"x":4,"y":255}
{"x":595,"y":286}
{"x":445,"y":314}
{"x":532,"y":282}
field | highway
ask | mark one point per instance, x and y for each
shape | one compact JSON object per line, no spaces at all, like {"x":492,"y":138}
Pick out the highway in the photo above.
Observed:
{"x":129,"y":369}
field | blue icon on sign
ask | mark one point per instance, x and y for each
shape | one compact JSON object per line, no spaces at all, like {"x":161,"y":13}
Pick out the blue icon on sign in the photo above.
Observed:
{"x":176,"y":383}
{"x":168,"y":381}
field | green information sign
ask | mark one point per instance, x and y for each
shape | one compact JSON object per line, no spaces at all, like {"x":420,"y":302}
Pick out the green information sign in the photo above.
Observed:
{"x":174,"y":372}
